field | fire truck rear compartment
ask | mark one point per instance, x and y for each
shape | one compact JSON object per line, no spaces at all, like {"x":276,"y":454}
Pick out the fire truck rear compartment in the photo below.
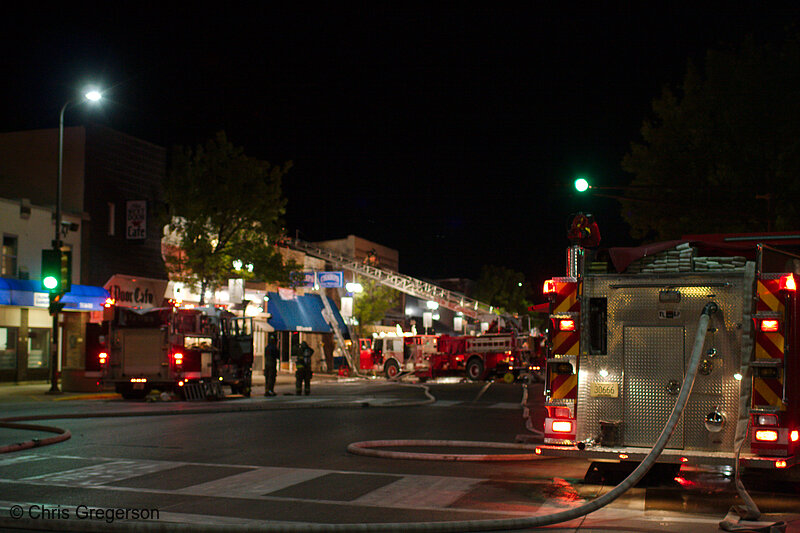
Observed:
{"x":647,"y":328}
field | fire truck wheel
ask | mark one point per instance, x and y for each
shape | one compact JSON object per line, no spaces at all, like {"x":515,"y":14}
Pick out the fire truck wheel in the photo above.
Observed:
{"x":392,"y":369}
{"x":475,"y":369}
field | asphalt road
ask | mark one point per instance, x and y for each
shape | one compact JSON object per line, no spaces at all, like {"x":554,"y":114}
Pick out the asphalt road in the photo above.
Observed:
{"x":284,"y":461}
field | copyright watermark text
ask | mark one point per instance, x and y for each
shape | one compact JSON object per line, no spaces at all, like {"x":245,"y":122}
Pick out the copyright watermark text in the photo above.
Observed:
{"x":81,"y":512}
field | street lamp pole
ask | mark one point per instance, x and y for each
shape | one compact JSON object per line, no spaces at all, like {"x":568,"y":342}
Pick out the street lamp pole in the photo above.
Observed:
{"x":92,"y":96}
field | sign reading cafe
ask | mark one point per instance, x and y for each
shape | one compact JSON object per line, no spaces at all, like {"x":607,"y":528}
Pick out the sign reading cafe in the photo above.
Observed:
{"x":136,"y":220}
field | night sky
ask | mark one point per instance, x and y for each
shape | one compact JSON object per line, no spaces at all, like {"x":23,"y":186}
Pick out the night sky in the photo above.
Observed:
{"x":449,"y":133}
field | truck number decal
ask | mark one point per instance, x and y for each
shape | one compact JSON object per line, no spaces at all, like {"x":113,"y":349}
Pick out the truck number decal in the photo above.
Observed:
{"x":603,"y":390}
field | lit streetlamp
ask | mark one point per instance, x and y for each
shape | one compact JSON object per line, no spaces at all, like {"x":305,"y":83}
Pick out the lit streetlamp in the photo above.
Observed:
{"x":92,"y":95}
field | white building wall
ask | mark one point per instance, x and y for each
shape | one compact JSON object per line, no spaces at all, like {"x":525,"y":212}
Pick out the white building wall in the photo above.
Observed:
{"x":34,"y":228}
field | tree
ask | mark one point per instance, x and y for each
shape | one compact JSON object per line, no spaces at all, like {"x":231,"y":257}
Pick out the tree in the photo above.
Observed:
{"x":223,"y":207}
{"x":503,"y":288}
{"x":722,"y":153}
{"x":370,"y":306}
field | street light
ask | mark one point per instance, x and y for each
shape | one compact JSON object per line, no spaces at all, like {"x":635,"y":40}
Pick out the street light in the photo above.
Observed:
{"x":92,"y":95}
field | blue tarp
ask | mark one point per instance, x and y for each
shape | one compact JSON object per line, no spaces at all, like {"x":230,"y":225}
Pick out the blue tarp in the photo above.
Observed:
{"x":29,"y":293}
{"x":301,"y":313}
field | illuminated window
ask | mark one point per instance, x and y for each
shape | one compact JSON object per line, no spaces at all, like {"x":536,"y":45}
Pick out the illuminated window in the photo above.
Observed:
{"x":8,"y":265}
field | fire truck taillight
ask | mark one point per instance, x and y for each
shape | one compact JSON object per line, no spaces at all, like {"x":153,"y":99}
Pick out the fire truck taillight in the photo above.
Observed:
{"x":794,"y":435}
{"x":549,"y":287}
{"x":562,"y":426}
{"x":102,"y":356}
{"x":787,"y":283}
{"x":178,"y":357}
{"x":109,"y":302}
{"x":766,"y":435}
{"x":770,"y":325}
{"x":566,"y":324}
{"x":780,"y":464}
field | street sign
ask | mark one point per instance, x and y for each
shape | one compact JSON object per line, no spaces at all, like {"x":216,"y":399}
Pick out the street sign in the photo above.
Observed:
{"x":330,"y":279}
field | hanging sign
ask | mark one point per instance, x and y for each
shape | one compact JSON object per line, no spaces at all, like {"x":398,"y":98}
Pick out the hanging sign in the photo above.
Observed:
{"x":136,"y":220}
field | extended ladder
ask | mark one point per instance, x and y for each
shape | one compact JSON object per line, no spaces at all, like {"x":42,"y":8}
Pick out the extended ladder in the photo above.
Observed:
{"x":421,"y":289}
{"x":329,"y":317}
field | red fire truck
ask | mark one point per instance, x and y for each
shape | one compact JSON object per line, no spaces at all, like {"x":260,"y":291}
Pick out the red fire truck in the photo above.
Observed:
{"x":393,"y":354}
{"x":478,"y":357}
{"x":192,"y":352}
{"x":622,"y":332}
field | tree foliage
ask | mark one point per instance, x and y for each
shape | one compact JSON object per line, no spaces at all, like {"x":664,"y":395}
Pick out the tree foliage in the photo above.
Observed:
{"x":504,"y":288}
{"x":721,"y":153}
{"x":370,"y":306}
{"x":223,"y":207}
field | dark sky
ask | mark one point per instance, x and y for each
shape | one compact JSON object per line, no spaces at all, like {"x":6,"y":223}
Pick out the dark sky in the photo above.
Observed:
{"x":449,"y":133}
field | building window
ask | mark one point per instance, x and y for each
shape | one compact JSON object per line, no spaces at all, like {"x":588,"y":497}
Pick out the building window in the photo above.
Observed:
{"x":8,"y":348}
{"x":8,"y":267}
{"x":38,"y":348}
{"x":111,"y":220}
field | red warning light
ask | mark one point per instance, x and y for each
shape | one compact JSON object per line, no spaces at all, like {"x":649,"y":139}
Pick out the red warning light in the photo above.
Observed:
{"x":770,"y":325}
{"x":566,"y":324}
{"x":787,"y":283}
{"x":549,"y":287}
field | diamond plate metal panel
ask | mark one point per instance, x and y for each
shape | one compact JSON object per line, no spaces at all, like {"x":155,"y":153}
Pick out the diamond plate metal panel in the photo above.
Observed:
{"x":633,"y":303}
{"x":653,"y":359}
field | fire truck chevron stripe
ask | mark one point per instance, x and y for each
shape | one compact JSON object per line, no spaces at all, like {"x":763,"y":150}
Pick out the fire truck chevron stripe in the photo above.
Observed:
{"x":566,"y":343}
{"x":769,"y":346}
{"x":564,"y":386}
{"x":769,"y":296}
{"x":767,"y":392}
{"x":566,"y":298}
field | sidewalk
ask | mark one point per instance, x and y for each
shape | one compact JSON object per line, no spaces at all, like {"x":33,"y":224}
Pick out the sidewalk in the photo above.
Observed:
{"x":38,"y":391}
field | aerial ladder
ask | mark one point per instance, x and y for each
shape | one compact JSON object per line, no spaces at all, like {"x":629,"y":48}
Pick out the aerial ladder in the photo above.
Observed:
{"x":452,"y":300}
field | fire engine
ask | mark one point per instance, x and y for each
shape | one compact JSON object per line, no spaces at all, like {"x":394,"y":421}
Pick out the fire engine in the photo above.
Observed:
{"x":621,"y":335}
{"x":392,"y":355}
{"x":478,"y":357}
{"x":193,"y":352}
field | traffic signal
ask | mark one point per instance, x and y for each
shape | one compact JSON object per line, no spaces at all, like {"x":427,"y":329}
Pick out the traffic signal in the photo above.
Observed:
{"x":581,"y":184}
{"x":55,"y":303}
{"x":56,"y":271}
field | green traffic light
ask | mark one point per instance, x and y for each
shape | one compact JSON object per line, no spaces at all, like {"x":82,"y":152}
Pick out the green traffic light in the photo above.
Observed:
{"x":581,"y":184}
{"x":50,"y":282}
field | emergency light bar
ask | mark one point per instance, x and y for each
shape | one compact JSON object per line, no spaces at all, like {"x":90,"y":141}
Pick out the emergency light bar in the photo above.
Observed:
{"x":549,"y":287}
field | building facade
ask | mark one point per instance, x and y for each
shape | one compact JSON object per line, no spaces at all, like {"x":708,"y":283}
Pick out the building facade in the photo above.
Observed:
{"x":110,"y":200}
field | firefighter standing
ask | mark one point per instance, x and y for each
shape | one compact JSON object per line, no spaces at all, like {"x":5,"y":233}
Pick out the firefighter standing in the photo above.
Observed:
{"x":303,"y":373}
{"x":270,"y":366}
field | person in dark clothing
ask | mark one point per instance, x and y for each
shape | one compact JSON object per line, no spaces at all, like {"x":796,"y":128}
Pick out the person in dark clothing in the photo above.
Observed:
{"x":271,"y":356}
{"x":303,"y":373}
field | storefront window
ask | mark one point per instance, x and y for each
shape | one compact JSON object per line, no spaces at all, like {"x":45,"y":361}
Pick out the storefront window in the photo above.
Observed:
{"x":8,"y":348}
{"x":38,"y":348}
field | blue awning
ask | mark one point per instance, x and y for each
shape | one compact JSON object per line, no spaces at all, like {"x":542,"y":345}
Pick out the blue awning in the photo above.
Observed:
{"x":29,"y":293}
{"x":301,"y":313}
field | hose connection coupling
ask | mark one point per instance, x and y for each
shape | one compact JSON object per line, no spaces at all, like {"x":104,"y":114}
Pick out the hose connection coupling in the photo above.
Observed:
{"x":582,"y":445}
{"x":710,"y":308}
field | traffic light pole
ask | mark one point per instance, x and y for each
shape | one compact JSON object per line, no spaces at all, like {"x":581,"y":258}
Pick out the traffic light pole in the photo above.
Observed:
{"x":54,"y":346}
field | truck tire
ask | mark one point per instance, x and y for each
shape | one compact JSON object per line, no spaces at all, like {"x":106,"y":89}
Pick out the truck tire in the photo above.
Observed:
{"x":474,"y":369}
{"x":391,"y":369}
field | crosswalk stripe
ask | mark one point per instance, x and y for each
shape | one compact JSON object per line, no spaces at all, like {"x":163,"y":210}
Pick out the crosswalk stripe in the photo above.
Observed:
{"x":257,"y":482}
{"x":419,"y":491}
